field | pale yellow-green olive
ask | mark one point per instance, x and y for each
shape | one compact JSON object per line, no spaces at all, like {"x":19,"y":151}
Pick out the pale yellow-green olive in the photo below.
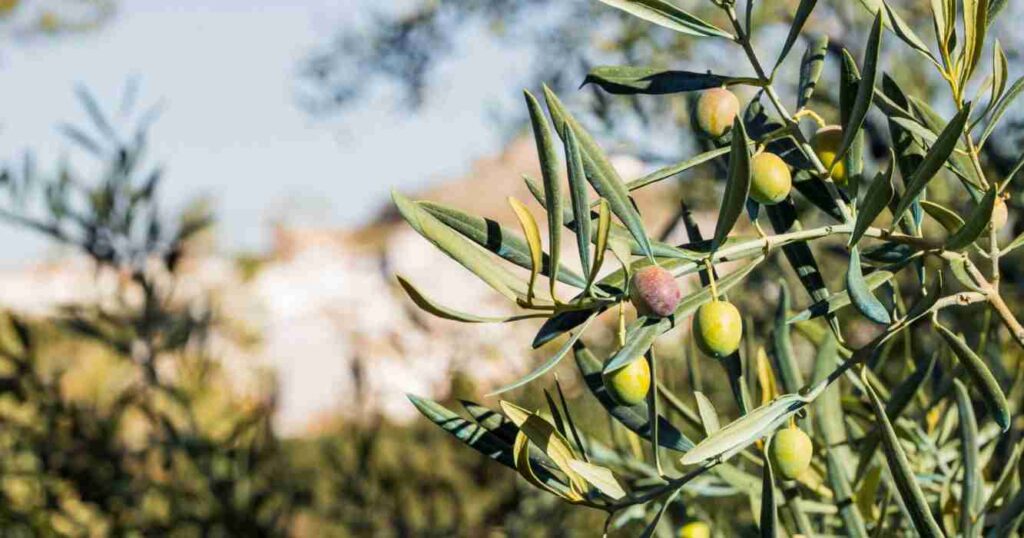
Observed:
{"x":718,"y":328}
{"x":654,"y":292}
{"x":716,"y":110}
{"x":1000,"y":213}
{"x":791,"y":452}
{"x":826,"y":144}
{"x":629,"y":385}
{"x":770,"y":179}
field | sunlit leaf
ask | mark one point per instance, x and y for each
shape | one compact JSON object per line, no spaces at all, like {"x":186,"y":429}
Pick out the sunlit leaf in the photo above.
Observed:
{"x":430,"y":306}
{"x":552,"y":184}
{"x":551,"y":362}
{"x":532,"y":233}
{"x":708,"y":415}
{"x":665,"y":14}
{"x":811,"y":66}
{"x":580,"y":201}
{"x":600,"y":477}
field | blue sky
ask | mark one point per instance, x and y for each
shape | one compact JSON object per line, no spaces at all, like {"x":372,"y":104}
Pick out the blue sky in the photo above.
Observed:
{"x":231,"y":129}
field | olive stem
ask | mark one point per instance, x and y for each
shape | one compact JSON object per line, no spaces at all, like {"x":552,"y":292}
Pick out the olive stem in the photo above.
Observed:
{"x":711,"y":278}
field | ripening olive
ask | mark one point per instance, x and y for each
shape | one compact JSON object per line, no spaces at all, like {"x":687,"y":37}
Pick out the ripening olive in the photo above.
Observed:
{"x":770,"y":180}
{"x":791,"y":452}
{"x":654,"y":292}
{"x":1000,"y":213}
{"x":695,"y":529}
{"x":629,"y":385}
{"x":826,"y":143}
{"x":717,"y":328}
{"x":716,"y":110}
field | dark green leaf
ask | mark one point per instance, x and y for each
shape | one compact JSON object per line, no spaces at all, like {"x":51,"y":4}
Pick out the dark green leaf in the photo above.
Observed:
{"x":865,"y":89}
{"x":840,"y":300}
{"x":932,"y":162}
{"x":970,"y":492}
{"x":976,"y":223}
{"x":737,"y":187}
{"x":629,"y":80}
{"x":879,"y":194}
{"x":769,"y":520}
{"x":811,"y":66}
{"x":799,"y":18}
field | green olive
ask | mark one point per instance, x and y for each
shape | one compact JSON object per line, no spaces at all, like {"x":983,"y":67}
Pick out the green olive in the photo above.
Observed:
{"x":1000,"y":213}
{"x":826,"y":144}
{"x":695,"y":529}
{"x":629,"y":385}
{"x":770,"y":180}
{"x":718,"y":328}
{"x":716,"y":110}
{"x":654,"y":292}
{"x":791,"y":452}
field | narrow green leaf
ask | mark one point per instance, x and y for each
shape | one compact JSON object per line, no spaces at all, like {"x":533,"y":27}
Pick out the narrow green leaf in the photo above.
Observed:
{"x":552,"y":185}
{"x":551,"y":362}
{"x":769,"y":519}
{"x":532,"y":233}
{"x":708,"y":415}
{"x":860,"y":295}
{"x":636,"y":418}
{"x":970,"y":492}
{"x":600,"y":477}
{"x":879,"y":194}
{"x":580,"y":201}
{"x":894,"y":22}
{"x":865,"y":90}
{"x":976,"y":223}
{"x":674,"y":169}
{"x":944,"y":216}
{"x":981,"y":377}
{"x":630,"y":80}
{"x":1000,"y":74}
{"x":811,"y":66}
{"x":782,"y":347}
{"x":838,"y":301}
{"x":903,"y":474}
{"x":428,"y":305}
{"x":1000,"y":108}
{"x":604,"y":221}
{"x":742,"y":432}
{"x":471,"y":434}
{"x":457,"y":248}
{"x":1005,"y":480}
{"x":933,"y":162}
{"x":494,"y":237}
{"x":543,"y":434}
{"x":599,"y":171}
{"x":850,"y":86}
{"x":975,"y":18}
{"x":665,"y":14}
{"x":737,"y":187}
{"x":651,"y":527}
{"x":803,"y":11}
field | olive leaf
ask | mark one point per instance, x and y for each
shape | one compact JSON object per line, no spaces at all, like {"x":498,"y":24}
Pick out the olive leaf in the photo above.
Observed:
{"x":970,"y":491}
{"x":599,"y":171}
{"x":532,"y":233}
{"x":604,"y":221}
{"x":865,"y":90}
{"x":877,"y":198}
{"x":902,"y":473}
{"x":1000,"y":72}
{"x":999,"y":109}
{"x":430,"y":306}
{"x":840,"y":300}
{"x":782,"y":347}
{"x":708,"y":415}
{"x":496,"y":238}
{"x":600,"y":477}
{"x":894,"y":22}
{"x":552,"y":185}
{"x":471,"y":434}
{"x":636,"y":418}
{"x":457,"y":248}
{"x":981,"y":377}
{"x":542,"y":433}
{"x":976,"y":223}
{"x":932,"y":162}
{"x":769,"y":519}
{"x":551,"y":362}
{"x":811,"y":66}
{"x":580,"y":201}
{"x":742,"y":432}
{"x":860,"y":294}
{"x":669,"y":16}
{"x":975,"y":18}
{"x":630,"y":80}
{"x":944,"y":216}
{"x":652,"y":526}
{"x":737,"y":186}
{"x":675,"y":169}
{"x":803,"y":11}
